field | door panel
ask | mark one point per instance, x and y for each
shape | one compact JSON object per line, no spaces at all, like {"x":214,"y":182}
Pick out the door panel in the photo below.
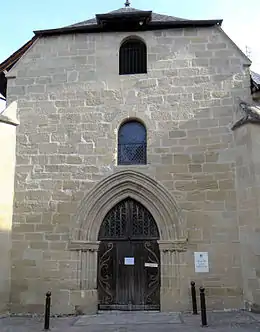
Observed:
{"x":152,"y":275}
{"x":129,"y":230}
{"x":125,"y":280}
{"x":139,"y":276}
{"x":106,"y":275}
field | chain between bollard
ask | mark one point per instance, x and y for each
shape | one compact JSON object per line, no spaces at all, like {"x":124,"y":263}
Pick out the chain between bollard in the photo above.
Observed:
{"x":47,"y":311}
{"x":194,"y":299}
{"x":203,"y":307}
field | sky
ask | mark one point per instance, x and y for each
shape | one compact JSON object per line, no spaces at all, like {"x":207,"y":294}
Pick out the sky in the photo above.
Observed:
{"x":19,"y":18}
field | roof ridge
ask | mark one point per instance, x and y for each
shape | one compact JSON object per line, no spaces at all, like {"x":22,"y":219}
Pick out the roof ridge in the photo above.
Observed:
{"x":156,"y":17}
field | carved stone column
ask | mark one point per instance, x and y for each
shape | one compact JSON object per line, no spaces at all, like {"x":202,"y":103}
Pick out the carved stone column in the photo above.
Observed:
{"x":88,"y":263}
{"x":170,"y":273}
{"x":85,"y":299}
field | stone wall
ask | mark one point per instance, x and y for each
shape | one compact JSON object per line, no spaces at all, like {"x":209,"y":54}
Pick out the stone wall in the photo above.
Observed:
{"x":71,"y":103}
{"x":8,"y":124}
{"x":248,"y":184}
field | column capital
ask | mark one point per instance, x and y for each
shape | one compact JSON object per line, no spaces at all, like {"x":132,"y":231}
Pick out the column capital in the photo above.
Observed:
{"x":179,"y":245}
{"x":84,"y":245}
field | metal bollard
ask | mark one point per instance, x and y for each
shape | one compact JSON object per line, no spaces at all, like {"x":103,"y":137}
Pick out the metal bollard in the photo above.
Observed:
{"x":203,"y":307}
{"x":47,"y":311}
{"x":194,"y":299}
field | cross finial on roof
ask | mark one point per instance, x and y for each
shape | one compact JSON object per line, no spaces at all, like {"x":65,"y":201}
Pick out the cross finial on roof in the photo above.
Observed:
{"x":127,"y":3}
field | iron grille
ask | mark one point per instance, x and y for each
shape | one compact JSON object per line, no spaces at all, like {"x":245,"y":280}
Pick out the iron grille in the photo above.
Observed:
{"x":128,"y":220}
{"x":133,"y":58}
{"x":132,"y":154}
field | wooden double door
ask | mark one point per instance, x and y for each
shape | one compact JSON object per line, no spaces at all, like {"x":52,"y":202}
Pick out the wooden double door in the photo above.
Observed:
{"x":129,"y":259}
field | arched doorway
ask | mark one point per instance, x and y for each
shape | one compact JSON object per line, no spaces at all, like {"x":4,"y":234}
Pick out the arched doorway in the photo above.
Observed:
{"x":129,"y":259}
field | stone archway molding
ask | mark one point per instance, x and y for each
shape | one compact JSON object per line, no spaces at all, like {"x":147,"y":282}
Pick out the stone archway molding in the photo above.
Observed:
{"x":127,"y":183}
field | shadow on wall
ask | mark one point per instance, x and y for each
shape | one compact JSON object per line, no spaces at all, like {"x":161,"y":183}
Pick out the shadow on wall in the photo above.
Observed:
{"x":2,"y":103}
{"x":8,"y":123}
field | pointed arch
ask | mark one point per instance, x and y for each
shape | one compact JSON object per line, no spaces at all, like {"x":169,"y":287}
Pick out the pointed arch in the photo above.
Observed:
{"x":138,"y":186}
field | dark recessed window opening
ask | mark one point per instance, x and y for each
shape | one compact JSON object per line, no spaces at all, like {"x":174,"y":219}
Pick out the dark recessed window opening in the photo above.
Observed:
{"x":132,"y":144}
{"x":133,"y":57}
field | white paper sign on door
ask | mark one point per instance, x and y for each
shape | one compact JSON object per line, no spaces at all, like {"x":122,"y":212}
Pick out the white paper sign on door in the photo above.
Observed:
{"x":129,"y":261}
{"x":150,"y":264}
{"x":201,"y":260}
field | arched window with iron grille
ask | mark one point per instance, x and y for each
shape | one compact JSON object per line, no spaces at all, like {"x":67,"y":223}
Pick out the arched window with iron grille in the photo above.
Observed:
{"x":132,"y":143}
{"x":133,"y":57}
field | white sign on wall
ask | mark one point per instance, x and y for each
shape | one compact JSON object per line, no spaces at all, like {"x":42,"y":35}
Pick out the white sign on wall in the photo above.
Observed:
{"x":201,"y":260}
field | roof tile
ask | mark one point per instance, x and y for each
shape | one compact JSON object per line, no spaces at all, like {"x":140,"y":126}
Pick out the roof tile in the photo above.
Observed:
{"x":155,"y":17}
{"x":255,"y":77}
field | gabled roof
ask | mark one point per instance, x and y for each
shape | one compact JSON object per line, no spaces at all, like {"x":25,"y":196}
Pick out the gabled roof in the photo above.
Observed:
{"x":129,"y":19}
{"x":255,"y":82}
{"x":10,"y":62}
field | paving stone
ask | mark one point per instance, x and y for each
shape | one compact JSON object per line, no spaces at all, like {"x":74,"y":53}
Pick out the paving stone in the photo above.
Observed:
{"x":137,"y":322}
{"x":129,"y":318}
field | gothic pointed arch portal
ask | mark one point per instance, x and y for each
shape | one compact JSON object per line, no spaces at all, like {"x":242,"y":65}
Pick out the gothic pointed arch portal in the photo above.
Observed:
{"x":113,"y":189}
{"x":128,"y":259}
{"x":90,"y":236}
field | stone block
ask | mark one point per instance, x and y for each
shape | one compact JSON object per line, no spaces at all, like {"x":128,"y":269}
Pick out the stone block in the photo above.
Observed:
{"x":224,"y":53}
{"x":198,"y":158}
{"x":207,"y":184}
{"x":197,"y":132}
{"x":186,"y":185}
{"x":61,"y":302}
{"x":216,"y":168}
{"x":177,"y":133}
{"x":181,"y":159}
{"x":195,"y":168}
{"x":37,"y":88}
{"x":23,"y":228}
{"x":200,"y":62}
{"x":59,"y":78}
{"x":85,"y":302}
{"x":48,"y":148}
{"x":16,"y":90}
{"x":226,"y":184}
{"x":54,"y":245}
{"x":216,"y":46}
{"x":39,"y":245}
{"x":215,"y":195}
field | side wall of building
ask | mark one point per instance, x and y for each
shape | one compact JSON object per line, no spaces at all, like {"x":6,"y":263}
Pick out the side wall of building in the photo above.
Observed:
{"x":71,"y":103}
{"x":248,"y":198}
{"x":7,"y":171}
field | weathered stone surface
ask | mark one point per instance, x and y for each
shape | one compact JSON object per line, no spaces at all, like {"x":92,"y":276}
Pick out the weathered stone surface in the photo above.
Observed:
{"x":72,"y":102}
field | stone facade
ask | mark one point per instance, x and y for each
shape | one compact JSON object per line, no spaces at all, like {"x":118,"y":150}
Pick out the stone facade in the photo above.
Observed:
{"x":71,"y":102}
{"x":8,"y":124}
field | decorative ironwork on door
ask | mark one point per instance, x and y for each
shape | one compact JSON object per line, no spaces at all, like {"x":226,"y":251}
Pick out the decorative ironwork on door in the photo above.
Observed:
{"x":129,"y":232}
{"x":128,"y":220}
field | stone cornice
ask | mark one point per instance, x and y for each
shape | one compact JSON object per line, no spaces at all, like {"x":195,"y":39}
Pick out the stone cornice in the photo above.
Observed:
{"x":84,"y":245}
{"x":173,"y":245}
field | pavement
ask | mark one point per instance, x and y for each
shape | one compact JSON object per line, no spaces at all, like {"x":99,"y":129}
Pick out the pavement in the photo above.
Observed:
{"x":137,"y":322}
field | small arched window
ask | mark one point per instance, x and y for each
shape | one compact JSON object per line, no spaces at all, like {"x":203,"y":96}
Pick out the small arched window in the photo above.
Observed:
{"x":132,"y":144}
{"x":133,"y":57}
